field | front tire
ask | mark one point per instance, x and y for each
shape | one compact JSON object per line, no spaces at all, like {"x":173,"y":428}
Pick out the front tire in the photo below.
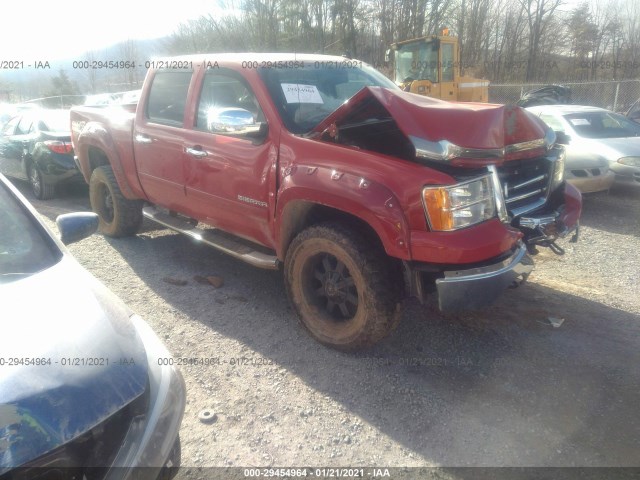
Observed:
{"x":342,"y":286}
{"x":118,"y":216}
{"x":40,"y":189}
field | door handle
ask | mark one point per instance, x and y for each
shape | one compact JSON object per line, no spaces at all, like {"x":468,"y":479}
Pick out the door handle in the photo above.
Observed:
{"x":195,"y":152}
{"x":142,"y":138}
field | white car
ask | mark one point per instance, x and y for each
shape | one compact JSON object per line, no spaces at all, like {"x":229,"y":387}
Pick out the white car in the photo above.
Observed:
{"x":602,"y":146}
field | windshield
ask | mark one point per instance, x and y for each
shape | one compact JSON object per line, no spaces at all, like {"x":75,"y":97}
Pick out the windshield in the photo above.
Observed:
{"x":602,"y":125}
{"x":24,"y":249}
{"x":417,"y":61}
{"x":307,"y":95}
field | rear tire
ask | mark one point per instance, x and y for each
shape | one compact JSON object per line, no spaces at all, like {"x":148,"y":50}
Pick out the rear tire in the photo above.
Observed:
{"x":40,"y":189}
{"x":119,"y":216}
{"x":342,"y":286}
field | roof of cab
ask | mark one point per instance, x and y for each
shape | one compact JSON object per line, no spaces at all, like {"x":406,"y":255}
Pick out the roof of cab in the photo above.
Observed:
{"x":256,"y":57}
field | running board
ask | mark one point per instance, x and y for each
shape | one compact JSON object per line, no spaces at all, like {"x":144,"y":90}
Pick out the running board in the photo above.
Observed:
{"x":217,"y":239}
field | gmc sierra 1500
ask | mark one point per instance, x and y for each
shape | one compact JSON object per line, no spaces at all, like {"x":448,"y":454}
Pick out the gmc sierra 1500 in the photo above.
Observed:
{"x":364,"y":193}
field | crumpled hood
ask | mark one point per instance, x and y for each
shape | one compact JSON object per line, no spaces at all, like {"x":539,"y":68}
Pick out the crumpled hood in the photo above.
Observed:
{"x":65,"y":315}
{"x":477,"y":126}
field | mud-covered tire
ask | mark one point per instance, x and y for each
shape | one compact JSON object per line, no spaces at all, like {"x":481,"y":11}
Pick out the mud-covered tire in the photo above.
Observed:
{"x":41,"y":190}
{"x":342,"y":286}
{"x":118,"y":216}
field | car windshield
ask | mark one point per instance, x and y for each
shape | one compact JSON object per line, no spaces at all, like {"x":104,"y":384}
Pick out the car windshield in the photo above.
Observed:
{"x":602,"y":125}
{"x":306,"y":95}
{"x":24,"y":248}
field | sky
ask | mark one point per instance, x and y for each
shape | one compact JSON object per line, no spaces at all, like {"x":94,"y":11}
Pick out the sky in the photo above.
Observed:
{"x":63,"y":28}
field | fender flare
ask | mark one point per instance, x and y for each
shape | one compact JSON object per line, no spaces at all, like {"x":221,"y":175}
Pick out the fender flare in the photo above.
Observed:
{"x":95,"y":135}
{"x":306,"y":186}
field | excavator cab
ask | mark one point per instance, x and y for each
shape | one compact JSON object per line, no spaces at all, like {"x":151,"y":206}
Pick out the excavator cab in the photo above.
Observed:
{"x":430,"y":66}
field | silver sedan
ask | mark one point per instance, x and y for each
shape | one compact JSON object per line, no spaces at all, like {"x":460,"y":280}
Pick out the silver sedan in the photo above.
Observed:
{"x":602,"y":146}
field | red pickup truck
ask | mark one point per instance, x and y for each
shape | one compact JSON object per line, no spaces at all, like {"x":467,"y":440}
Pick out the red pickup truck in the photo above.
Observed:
{"x":365,"y":194}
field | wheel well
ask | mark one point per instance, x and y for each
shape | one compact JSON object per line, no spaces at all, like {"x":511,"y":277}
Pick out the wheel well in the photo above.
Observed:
{"x":97,"y":158}
{"x":302,"y":215}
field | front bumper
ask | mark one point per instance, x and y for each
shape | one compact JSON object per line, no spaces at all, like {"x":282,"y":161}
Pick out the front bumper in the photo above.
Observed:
{"x":557,"y":219}
{"x":481,"y":286}
{"x":626,"y":174}
{"x":593,"y":183}
{"x":474,"y":284}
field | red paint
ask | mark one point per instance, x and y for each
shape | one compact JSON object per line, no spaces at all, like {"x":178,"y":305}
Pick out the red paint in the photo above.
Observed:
{"x":249,"y":188}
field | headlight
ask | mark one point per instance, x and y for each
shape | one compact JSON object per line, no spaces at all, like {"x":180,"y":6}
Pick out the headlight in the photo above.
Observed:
{"x":457,"y":206}
{"x":630,"y":161}
{"x":558,"y":169}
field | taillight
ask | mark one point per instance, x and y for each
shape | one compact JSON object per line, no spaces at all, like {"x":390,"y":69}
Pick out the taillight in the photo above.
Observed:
{"x":58,"y":146}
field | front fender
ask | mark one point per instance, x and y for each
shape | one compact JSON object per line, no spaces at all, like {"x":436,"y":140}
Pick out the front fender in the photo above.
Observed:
{"x":370,"y":201}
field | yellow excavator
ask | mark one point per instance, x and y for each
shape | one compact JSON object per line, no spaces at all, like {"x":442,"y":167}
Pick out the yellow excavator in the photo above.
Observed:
{"x":431,"y":66}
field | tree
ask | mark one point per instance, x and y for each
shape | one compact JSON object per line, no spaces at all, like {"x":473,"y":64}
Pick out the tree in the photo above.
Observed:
{"x":538,"y":13}
{"x":62,"y":85}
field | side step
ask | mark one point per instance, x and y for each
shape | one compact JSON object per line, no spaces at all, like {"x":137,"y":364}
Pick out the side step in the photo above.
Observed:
{"x":236,"y":247}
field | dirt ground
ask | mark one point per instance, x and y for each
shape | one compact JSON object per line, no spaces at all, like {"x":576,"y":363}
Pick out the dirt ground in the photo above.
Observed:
{"x":498,"y":387}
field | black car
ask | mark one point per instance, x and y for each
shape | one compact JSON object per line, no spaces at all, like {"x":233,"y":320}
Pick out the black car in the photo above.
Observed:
{"x":547,"y":95}
{"x":36,"y":146}
{"x":87,"y":389}
{"x":634,"y":112}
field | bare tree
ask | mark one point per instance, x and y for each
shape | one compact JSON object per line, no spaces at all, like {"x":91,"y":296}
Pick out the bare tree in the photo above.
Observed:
{"x":537,"y":13}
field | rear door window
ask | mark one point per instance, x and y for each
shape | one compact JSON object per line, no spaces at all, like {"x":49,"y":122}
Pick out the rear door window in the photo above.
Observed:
{"x":24,"y":126}
{"x":168,"y":97}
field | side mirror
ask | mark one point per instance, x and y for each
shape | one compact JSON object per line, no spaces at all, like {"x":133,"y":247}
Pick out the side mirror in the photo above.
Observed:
{"x":562,"y":138}
{"x":232,"y":121}
{"x":76,"y":226}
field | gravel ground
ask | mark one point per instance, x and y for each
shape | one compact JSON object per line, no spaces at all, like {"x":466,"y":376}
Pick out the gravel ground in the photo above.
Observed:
{"x":498,"y":387}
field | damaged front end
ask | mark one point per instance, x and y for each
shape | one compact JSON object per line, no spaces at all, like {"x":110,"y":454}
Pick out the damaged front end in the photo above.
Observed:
{"x":505,"y":165}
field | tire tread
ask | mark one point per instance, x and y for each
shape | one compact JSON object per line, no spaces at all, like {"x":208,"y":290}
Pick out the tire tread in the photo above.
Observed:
{"x":127,"y":213}
{"x":384,"y":304}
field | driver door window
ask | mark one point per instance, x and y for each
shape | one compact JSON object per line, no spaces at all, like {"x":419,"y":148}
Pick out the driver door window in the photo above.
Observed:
{"x":225,"y":90}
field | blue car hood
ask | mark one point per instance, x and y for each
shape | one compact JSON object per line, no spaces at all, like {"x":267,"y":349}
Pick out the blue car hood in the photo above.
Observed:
{"x":69,"y":358}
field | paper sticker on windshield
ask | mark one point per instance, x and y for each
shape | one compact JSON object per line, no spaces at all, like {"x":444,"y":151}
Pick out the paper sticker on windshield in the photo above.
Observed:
{"x":579,"y":121}
{"x":296,"y":93}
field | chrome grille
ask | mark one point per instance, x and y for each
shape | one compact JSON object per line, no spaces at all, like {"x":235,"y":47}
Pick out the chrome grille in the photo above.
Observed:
{"x":525,"y":183}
